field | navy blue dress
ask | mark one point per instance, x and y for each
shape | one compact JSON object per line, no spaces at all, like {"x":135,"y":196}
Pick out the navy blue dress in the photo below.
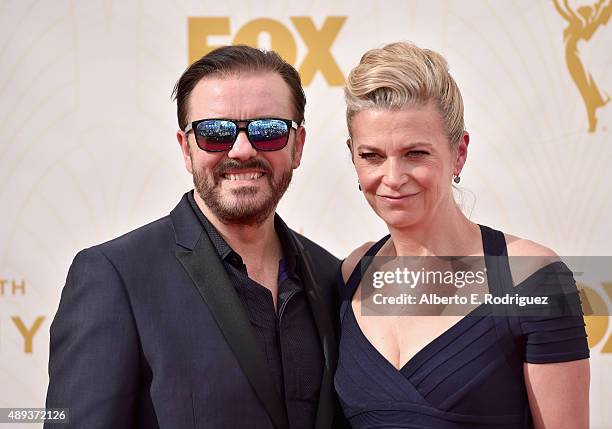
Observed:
{"x":471,"y":376}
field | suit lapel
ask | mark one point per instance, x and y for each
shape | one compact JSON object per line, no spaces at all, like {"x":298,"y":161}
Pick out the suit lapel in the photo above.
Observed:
{"x":321,"y":312}
{"x":214,"y":285}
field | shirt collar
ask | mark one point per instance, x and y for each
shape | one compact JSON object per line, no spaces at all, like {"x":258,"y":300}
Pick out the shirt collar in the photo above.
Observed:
{"x":290,"y":253}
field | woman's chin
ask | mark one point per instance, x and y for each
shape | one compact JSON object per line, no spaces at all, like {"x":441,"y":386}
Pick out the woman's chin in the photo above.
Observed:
{"x":398,"y":219}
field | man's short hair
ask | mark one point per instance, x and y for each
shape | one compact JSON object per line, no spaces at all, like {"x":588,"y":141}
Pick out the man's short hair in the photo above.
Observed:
{"x":232,"y":60}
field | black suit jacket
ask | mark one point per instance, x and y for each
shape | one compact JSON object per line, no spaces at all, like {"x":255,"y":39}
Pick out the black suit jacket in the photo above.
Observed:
{"x":150,"y":333}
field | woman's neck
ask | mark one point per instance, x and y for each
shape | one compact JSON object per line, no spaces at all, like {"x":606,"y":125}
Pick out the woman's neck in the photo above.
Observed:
{"x":449,"y":233}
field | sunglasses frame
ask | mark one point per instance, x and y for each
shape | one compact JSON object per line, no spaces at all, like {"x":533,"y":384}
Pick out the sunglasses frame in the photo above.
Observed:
{"x":291,"y":124}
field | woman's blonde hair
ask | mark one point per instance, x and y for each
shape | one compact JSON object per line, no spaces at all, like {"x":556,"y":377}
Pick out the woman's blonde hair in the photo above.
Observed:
{"x":401,"y":75}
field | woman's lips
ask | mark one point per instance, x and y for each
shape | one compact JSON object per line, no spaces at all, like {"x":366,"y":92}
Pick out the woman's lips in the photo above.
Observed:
{"x":395,"y":199}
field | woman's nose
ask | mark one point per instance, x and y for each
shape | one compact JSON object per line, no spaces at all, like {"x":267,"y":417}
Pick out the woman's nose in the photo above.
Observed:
{"x":394,"y":175}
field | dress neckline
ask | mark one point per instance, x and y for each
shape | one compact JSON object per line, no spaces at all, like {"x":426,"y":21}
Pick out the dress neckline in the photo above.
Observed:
{"x":494,"y":244}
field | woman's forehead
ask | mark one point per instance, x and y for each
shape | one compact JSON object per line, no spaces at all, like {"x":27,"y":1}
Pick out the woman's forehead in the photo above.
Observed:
{"x":408,"y":126}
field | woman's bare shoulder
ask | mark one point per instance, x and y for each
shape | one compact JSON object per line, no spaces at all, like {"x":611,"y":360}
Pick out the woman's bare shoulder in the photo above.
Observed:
{"x":518,"y":246}
{"x":527,"y":257}
{"x":351,"y":261}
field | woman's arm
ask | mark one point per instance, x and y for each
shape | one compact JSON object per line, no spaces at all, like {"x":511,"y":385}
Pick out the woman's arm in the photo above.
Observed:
{"x":558,"y":394}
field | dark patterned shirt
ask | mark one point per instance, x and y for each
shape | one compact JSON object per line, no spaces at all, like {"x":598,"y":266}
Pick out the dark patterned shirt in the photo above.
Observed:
{"x":288,"y":339}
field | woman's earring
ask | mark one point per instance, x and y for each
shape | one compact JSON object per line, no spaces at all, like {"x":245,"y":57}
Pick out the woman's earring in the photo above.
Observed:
{"x":457,"y":179}
{"x":359,"y":184}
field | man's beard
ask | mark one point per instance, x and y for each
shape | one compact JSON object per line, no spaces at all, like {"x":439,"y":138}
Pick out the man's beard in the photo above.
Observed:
{"x":247,"y":205}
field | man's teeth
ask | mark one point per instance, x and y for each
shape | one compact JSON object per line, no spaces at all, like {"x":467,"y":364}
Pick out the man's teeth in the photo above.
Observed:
{"x":244,"y":176}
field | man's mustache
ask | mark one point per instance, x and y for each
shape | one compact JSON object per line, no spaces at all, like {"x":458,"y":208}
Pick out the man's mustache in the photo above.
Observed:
{"x":236,"y":166}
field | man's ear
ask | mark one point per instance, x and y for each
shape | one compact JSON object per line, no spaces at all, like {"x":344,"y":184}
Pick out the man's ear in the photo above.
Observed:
{"x":183,"y":142}
{"x":300,"y":139}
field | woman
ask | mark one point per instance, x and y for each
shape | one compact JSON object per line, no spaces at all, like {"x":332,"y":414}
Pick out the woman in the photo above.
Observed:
{"x":408,"y":144}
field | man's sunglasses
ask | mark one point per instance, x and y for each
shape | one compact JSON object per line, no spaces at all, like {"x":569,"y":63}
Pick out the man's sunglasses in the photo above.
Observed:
{"x":218,"y":135}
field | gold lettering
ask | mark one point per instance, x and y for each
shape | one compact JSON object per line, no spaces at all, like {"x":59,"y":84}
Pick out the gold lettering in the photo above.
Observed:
{"x":608,"y":288}
{"x":607,"y":348}
{"x":27,"y":334}
{"x":2,"y":283}
{"x":596,"y":325}
{"x":319,"y":43}
{"x":18,"y":286}
{"x":281,"y":39}
{"x":198,"y":31}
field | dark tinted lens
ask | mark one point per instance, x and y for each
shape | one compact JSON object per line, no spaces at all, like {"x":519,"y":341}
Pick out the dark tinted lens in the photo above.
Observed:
{"x":215,"y":135}
{"x":268,"y":134}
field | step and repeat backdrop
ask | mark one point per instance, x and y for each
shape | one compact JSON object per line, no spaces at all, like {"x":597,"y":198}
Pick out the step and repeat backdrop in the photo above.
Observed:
{"x":88,"y":148}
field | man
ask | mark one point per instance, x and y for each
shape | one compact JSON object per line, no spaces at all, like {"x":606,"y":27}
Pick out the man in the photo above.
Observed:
{"x":218,"y":315}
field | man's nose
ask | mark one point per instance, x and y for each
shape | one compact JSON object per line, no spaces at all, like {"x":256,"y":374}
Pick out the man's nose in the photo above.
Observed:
{"x":242,"y":148}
